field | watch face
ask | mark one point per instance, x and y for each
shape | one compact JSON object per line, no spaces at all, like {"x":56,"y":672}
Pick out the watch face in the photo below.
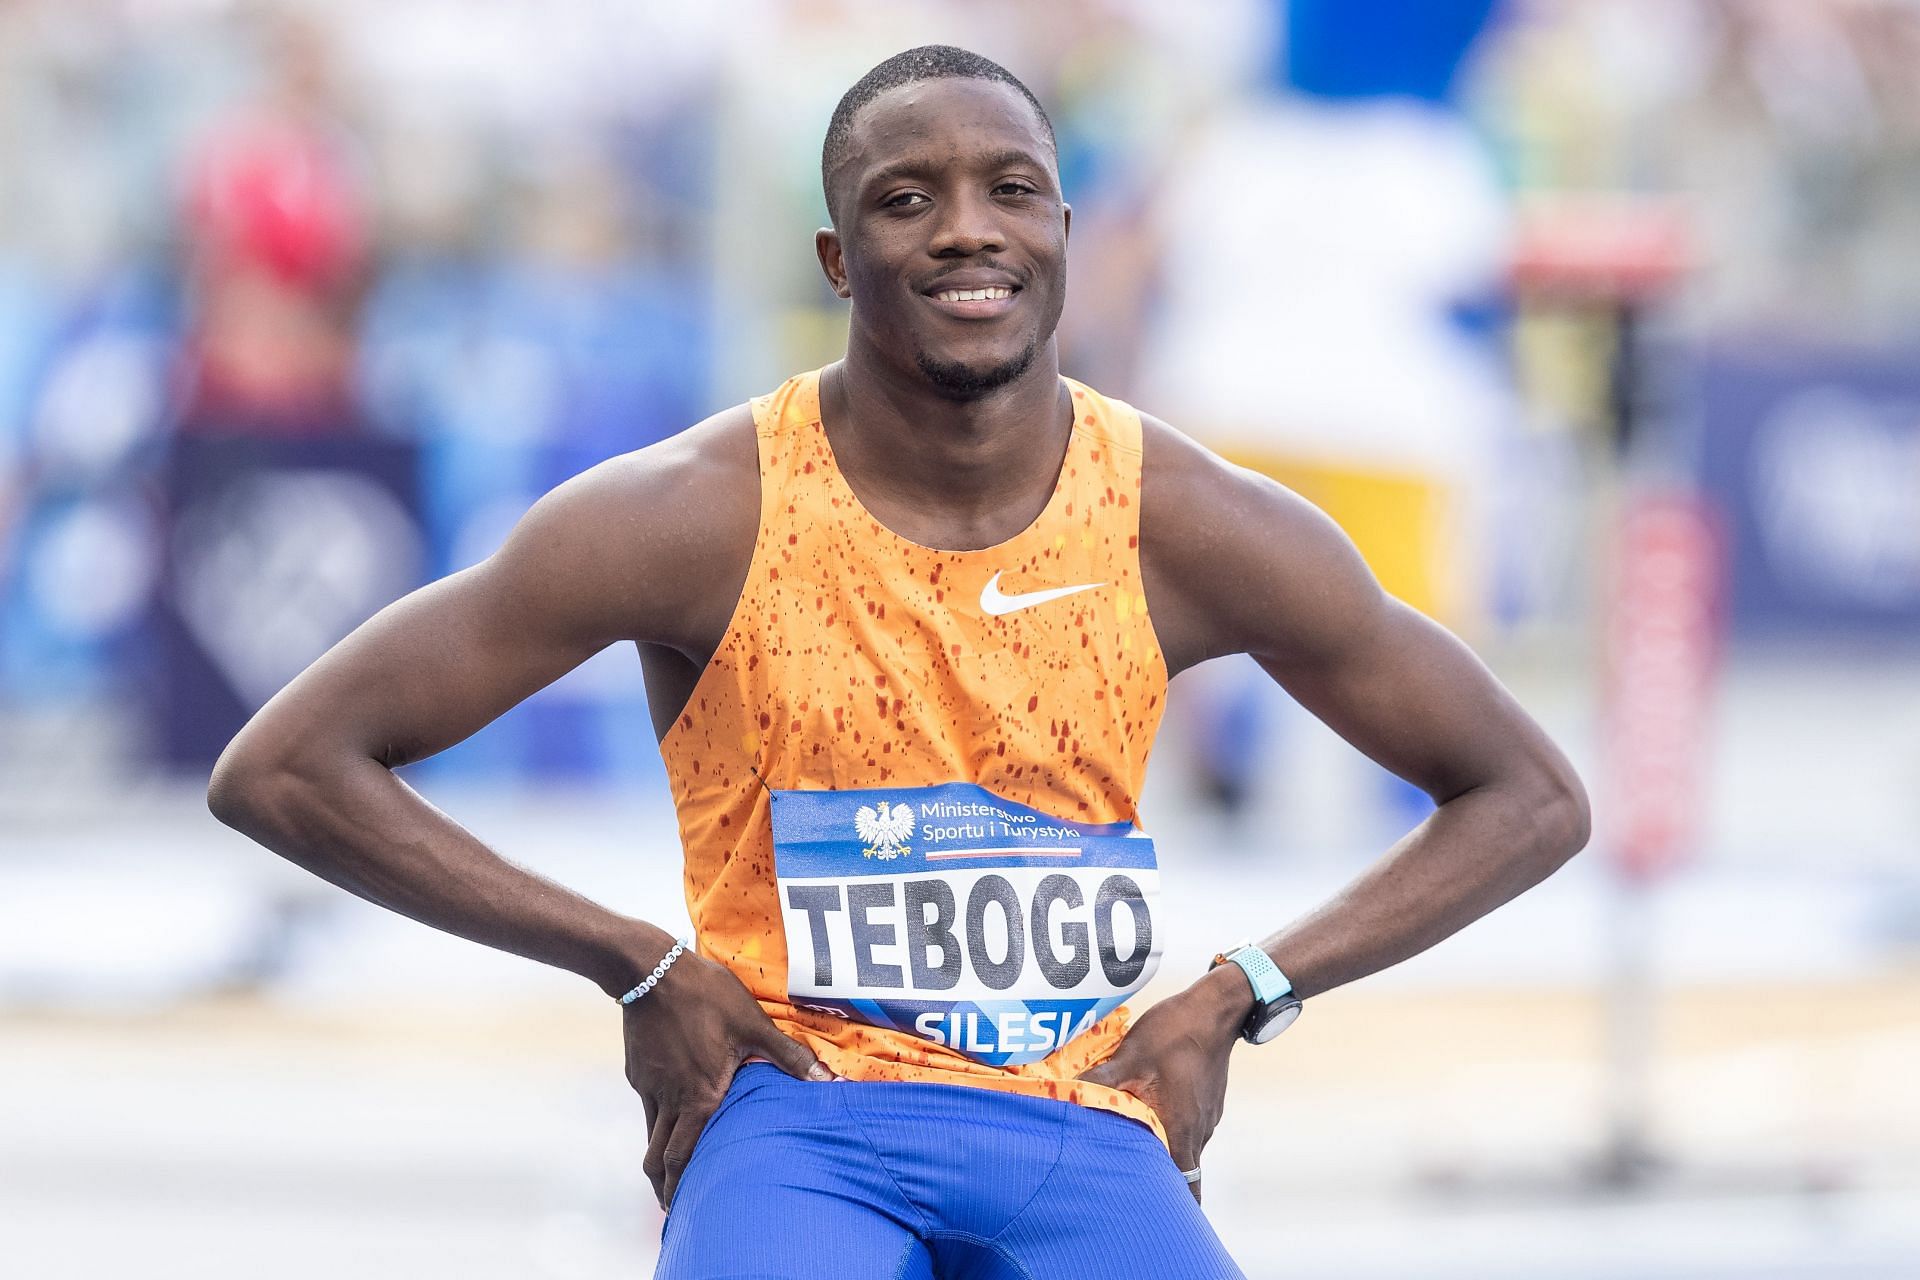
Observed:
{"x":1278,"y":1019}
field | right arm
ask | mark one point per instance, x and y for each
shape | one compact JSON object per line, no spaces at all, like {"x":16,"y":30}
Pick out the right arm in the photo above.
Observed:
{"x":650,"y":547}
{"x":311,"y":775}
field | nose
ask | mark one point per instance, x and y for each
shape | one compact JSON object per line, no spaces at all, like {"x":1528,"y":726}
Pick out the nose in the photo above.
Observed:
{"x":966,"y":224}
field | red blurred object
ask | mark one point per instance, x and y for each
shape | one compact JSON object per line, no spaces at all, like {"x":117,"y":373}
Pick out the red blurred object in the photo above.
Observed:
{"x":278,"y":225}
{"x":278,"y":222}
{"x":1613,"y":248}
{"x":273,"y":194}
{"x":1663,"y":650}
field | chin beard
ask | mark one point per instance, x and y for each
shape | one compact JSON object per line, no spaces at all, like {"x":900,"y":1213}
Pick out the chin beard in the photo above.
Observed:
{"x":957,"y":381}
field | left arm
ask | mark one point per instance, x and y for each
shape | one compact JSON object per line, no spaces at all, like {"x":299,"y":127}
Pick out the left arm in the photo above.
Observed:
{"x":1234,"y":563}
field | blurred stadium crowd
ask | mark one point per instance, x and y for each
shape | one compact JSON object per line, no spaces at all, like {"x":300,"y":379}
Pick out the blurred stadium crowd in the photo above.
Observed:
{"x":301,"y":304}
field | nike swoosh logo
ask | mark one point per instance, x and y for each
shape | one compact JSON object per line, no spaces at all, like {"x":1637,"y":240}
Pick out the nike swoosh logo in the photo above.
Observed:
{"x":996,"y":604}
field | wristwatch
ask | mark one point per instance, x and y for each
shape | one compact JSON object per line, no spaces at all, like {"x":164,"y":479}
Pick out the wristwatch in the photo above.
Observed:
{"x":1275,"y":1006}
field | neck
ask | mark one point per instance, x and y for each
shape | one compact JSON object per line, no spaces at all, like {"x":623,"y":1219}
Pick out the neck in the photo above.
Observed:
{"x":960,"y":469}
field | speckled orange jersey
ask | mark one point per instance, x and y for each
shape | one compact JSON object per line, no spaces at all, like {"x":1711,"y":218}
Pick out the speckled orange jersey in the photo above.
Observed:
{"x":857,"y":659}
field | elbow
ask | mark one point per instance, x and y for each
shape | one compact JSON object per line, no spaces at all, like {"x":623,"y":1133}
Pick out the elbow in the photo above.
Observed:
{"x":247,"y":782}
{"x":234,"y":786}
{"x":1562,"y":816}
{"x":270,"y":778}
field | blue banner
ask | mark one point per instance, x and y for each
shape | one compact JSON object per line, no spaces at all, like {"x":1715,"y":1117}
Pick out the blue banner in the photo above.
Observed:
{"x":1812,"y":456}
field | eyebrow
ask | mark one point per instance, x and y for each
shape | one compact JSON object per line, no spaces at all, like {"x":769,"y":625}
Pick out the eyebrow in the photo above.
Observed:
{"x":1008,"y":158}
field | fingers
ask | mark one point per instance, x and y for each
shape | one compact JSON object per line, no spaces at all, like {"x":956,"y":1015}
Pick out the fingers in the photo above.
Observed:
{"x":1128,"y":1068}
{"x":792,"y":1057}
{"x":1186,"y":1157}
{"x":654,"y":1163}
{"x":679,"y":1150}
{"x":1110,"y":1071}
{"x":670,"y":1146}
{"x":1101,"y":1073}
{"x":671,"y":1134}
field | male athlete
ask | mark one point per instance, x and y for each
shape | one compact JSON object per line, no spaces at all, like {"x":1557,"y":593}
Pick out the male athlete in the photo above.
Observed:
{"x":907,"y":625}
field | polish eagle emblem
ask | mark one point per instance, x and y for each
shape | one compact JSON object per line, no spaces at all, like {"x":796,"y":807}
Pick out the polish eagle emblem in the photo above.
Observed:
{"x":885,"y":831}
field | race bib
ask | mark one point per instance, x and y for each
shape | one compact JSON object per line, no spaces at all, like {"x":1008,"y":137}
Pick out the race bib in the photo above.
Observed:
{"x":954,"y":915}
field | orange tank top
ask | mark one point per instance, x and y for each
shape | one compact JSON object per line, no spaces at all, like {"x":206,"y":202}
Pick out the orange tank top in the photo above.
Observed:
{"x":907,"y":781}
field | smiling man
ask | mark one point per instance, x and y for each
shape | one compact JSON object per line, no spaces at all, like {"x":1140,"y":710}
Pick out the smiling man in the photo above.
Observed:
{"x":907,"y":624}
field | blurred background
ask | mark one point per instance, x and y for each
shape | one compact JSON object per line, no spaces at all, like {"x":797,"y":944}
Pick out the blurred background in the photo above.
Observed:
{"x":1596,"y":323}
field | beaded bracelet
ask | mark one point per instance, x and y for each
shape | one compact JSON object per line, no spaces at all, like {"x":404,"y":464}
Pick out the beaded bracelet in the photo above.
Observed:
{"x":659,"y":970}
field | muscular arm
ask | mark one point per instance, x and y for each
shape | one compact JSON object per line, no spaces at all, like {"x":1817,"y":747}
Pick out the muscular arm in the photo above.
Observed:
{"x":1240,"y":565}
{"x":644,"y":547}
{"x":1233,"y":563}
{"x":651,"y":547}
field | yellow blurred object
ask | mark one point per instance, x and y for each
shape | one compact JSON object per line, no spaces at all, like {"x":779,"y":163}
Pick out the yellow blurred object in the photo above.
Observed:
{"x":1402,"y":521}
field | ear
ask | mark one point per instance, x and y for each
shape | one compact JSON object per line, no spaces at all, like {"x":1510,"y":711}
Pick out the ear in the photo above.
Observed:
{"x":1066,"y":221}
{"x":826,"y":246}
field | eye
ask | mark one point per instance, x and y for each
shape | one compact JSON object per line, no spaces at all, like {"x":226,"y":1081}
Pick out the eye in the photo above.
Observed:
{"x":904,"y":200}
{"x":1014,"y":187}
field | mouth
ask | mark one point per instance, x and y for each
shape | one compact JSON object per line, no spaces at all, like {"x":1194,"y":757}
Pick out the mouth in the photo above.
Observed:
{"x":973,"y":301}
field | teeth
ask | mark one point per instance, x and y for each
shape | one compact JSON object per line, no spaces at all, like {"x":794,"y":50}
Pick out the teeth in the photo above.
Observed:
{"x":973,"y":295}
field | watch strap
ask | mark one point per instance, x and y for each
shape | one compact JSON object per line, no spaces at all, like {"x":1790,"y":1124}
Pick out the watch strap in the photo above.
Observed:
{"x":1269,"y":984}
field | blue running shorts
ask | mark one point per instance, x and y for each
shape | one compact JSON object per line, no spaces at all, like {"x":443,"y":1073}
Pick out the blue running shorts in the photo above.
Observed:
{"x":793,"y":1180}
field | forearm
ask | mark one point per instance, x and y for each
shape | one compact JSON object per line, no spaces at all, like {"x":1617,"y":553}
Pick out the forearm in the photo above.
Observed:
{"x":352,"y":822}
{"x":1475,"y":852}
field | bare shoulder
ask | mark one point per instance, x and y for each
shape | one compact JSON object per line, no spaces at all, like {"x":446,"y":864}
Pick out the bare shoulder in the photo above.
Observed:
{"x":1235,"y":562}
{"x":651,"y":545}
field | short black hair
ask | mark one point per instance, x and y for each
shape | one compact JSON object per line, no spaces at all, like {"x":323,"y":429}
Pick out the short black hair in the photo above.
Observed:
{"x":928,"y":62}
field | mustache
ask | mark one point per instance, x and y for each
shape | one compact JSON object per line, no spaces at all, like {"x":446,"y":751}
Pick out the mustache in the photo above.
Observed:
{"x":983,"y":264}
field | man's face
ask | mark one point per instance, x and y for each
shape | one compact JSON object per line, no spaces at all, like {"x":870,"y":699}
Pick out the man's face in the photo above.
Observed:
{"x":950,"y":234}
